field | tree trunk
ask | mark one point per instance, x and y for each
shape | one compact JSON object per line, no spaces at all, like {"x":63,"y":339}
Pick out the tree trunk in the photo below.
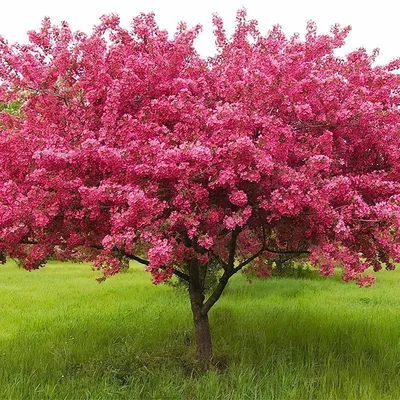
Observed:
{"x":201,"y":323}
{"x":203,"y":336}
{"x":279,"y":266}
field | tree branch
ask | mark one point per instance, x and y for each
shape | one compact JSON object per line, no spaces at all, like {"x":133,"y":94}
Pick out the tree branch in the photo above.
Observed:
{"x":232,"y":250}
{"x":248,"y":261}
{"x":181,"y":275}
{"x":140,"y":260}
{"x":216,"y":293}
{"x":219,"y":259}
{"x":136,"y":258}
{"x":268,"y":250}
{"x":230,"y":269}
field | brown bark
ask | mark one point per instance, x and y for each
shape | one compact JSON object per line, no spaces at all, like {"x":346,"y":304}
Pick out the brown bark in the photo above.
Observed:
{"x":279,"y":265}
{"x":200,"y":319}
{"x":203,"y":336}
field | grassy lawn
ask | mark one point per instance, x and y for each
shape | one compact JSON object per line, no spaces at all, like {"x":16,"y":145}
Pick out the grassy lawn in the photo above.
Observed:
{"x":65,"y":336}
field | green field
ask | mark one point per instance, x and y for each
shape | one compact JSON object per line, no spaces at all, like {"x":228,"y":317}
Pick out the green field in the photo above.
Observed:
{"x":65,"y":336}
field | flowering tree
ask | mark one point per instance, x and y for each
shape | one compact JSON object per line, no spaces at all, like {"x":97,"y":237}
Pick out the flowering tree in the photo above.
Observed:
{"x":127,"y":144}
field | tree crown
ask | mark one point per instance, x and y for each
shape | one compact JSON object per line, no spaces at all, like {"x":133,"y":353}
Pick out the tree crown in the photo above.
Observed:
{"x":126,"y":142}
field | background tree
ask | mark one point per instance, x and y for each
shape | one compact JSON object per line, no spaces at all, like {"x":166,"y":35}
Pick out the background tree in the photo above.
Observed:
{"x":128,"y":144}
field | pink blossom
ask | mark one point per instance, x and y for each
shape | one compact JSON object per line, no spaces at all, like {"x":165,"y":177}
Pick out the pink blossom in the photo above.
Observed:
{"x":160,"y":254}
{"x":238,"y":197}
{"x":206,"y":241}
{"x":129,"y":142}
{"x":366,"y":281}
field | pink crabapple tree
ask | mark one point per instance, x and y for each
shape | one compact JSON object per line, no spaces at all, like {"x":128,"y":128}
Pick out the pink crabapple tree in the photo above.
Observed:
{"x":128,"y":144}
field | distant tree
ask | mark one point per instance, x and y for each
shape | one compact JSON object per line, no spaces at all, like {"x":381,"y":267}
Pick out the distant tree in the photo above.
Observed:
{"x":129,"y":144}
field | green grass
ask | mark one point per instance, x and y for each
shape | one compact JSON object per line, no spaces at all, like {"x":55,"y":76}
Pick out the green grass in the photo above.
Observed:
{"x":64,"y":336}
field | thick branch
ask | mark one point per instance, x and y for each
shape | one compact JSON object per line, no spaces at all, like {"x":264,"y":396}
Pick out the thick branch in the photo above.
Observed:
{"x":140,"y":260}
{"x":248,"y":261}
{"x":216,"y":294}
{"x":180,"y":275}
{"x":232,"y":250}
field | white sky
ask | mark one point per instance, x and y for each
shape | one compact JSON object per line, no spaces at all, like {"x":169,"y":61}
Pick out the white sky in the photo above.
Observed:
{"x":375,"y":23}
